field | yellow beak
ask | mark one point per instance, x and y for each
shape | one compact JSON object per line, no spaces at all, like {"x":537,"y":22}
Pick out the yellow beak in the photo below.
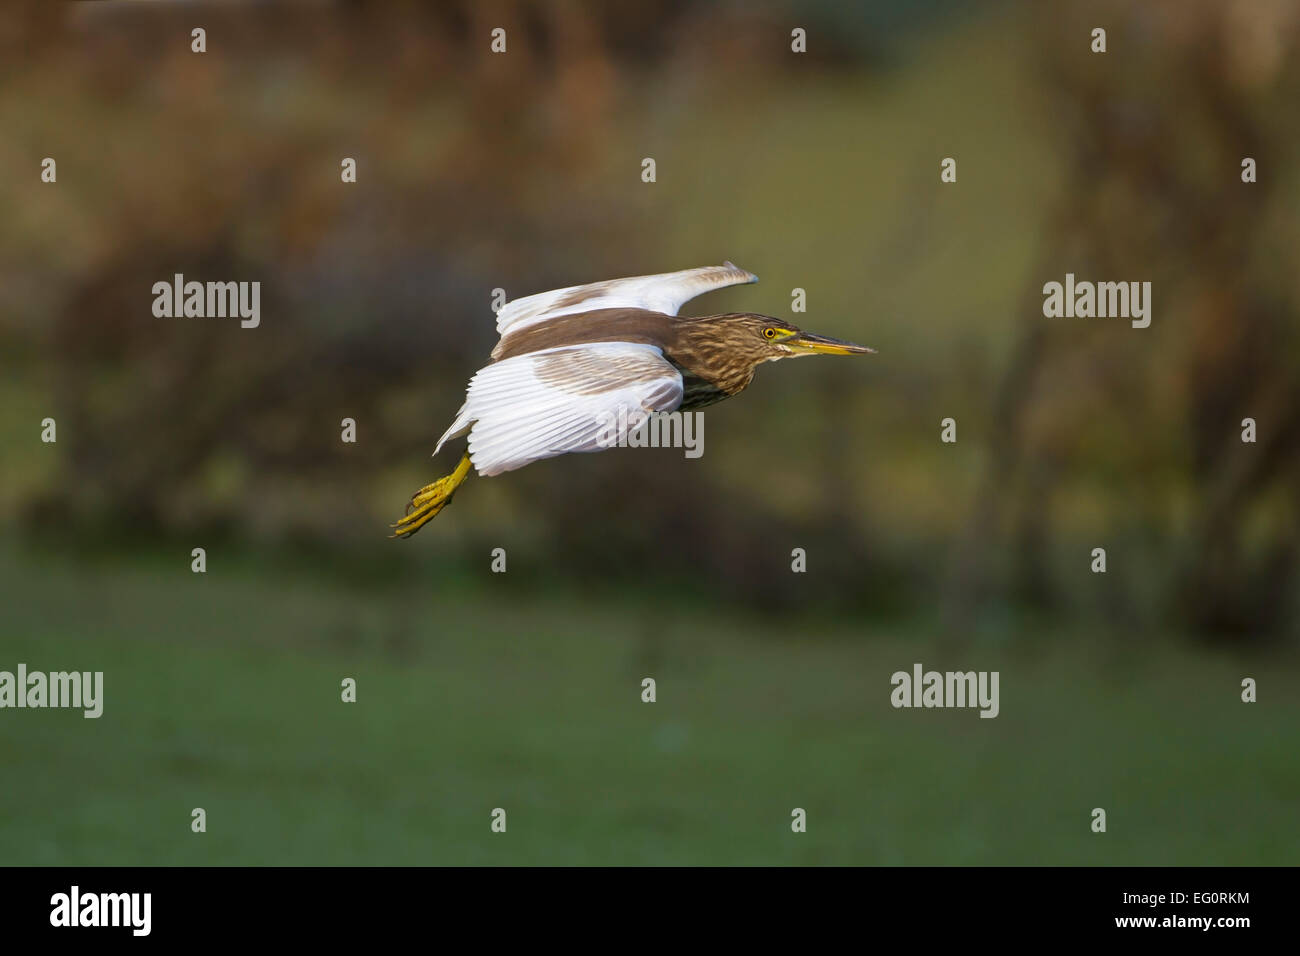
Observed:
{"x":824,"y":345}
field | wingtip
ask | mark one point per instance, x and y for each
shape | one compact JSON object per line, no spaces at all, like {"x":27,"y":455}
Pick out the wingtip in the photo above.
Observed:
{"x":727,"y":263}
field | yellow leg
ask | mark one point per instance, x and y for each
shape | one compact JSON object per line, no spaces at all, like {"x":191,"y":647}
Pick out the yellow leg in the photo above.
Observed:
{"x":429,"y":500}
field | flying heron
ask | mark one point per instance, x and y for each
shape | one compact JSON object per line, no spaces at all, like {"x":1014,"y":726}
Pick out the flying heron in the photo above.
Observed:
{"x":569,"y":359}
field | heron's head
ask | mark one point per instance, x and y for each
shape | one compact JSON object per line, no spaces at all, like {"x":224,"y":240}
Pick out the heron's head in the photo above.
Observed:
{"x":764,"y":339}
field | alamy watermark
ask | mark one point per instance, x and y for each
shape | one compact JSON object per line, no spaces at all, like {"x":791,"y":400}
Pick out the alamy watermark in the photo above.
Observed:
{"x":1102,"y":300}
{"x":652,"y":430}
{"x":951,"y":689}
{"x":181,"y":299}
{"x":83,"y":690}
{"x":75,"y":908}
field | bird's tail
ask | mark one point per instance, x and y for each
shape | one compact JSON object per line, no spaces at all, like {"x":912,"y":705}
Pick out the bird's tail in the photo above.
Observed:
{"x":429,"y":500}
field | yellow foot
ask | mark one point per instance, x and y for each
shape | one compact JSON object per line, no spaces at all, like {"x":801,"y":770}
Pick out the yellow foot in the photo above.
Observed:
{"x":429,"y":500}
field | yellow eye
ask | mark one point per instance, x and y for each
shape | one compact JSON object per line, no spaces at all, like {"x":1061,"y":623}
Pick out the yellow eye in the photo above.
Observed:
{"x":769,"y":333}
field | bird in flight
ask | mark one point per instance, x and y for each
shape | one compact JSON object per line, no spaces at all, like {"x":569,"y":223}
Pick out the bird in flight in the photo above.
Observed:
{"x":571,"y":359}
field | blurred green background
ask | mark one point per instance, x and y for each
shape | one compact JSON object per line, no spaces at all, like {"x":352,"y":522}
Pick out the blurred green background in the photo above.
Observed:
{"x":522,"y":690}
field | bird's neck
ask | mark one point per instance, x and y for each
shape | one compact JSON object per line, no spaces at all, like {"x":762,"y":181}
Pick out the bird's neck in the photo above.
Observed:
{"x":695,"y":346}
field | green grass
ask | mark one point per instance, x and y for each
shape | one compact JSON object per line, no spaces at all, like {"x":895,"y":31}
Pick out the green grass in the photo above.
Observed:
{"x":222,"y":692}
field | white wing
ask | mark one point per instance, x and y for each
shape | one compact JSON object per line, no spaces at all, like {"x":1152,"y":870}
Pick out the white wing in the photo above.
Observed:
{"x":665,"y":293}
{"x":565,"y":399}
